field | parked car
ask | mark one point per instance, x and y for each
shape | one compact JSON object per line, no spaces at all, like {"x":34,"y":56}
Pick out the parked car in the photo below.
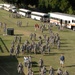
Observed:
{"x":13,"y":9}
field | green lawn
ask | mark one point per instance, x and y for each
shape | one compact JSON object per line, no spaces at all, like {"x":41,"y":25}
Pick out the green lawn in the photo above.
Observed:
{"x":8,"y":65}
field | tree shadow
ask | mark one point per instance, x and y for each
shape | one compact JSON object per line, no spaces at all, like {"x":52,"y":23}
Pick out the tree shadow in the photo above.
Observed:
{"x":1,"y":49}
{"x":18,"y":34}
{"x":70,"y":66}
{"x":65,"y":49}
{"x":34,"y":64}
{"x":51,"y":54}
{"x":4,"y":44}
{"x":8,"y":65}
{"x":36,"y":71}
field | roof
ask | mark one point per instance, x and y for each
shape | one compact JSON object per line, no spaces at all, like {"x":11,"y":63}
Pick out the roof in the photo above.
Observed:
{"x":39,"y":13}
{"x":63,"y":14}
{"x":25,"y":10}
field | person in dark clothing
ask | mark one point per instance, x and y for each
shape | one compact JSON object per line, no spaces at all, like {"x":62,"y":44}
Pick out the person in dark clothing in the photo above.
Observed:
{"x":62,"y":60}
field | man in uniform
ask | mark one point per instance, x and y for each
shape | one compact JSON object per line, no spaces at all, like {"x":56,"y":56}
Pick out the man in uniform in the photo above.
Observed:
{"x":34,"y":35}
{"x":31,"y":36}
{"x":19,"y":39}
{"x":5,"y":28}
{"x":65,"y":72}
{"x":51,"y":71}
{"x":40,"y":64}
{"x":15,"y":39}
{"x":20,"y":68}
{"x":17,"y":49}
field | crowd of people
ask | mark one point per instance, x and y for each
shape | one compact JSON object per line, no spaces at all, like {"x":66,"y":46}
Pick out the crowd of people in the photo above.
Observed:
{"x":43,"y":45}
{"x":42,"y":68}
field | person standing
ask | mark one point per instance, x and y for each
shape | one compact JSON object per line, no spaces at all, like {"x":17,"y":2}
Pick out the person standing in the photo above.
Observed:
{"x":34,"y":36}
{"x":59,"y":71}
{"x":31,"y":36}
{"x":27,"y":24}
{"x":51,"y":71}
{"x":20,"y":68}
{"x":62,"y":60}
{"x":11,"y":50}
{"x":15,"y":39}
{"x":40,"y":64}
{"x":19,"y":39}
{"x":5,"y":28}
{"x":65,"y":72}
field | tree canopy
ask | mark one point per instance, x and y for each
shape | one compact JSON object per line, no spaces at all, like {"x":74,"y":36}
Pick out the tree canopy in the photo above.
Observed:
{"x":65,"y":6}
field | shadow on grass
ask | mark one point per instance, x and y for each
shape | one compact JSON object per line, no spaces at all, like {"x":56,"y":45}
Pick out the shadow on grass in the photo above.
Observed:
{"x":27,"y":26}
{"x":70,"y":66}
{"x":1,"y":49}
{"x":51,"y":54}
{"x":4,"y":44}
{"x":34,"y":64}
{"x":18,"y":34}
{"x":65,"y":49}
{"x":36,"y":71}
{"x":8,"y":65}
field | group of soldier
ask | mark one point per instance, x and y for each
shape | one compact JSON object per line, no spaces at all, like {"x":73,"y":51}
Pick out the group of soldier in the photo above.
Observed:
{"x":44,"y":44}
{"x":27,"y":64}
{"x":42,"y":27}
{"x":4,"y":26}
{"x":17,"y":40}
{"x":14,"y":15}
{"x":19,"y":23}
{"x":42,"y":68}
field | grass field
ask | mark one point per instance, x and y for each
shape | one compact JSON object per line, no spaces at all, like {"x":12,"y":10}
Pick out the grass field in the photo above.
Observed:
{"x":8,"y":65}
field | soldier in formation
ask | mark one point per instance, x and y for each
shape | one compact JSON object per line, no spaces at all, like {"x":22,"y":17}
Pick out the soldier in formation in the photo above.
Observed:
{"x":11,"y":50}
{"x":51,"y":71}
{"x":59,"y":72}
{"x":40,"y":64}
{"x":43,"y":71}
{"x":31,"y":36}
{"x":19,"y":39}
{"x":30,"y":72}
{"x":20,"y":68}
{"x":65,"y":72}
{"x":5,"y":27}
{"x":17,"y":51}
{"x":19,"y":23}
{"x":34,"y":36}
{"x":15,"y":39}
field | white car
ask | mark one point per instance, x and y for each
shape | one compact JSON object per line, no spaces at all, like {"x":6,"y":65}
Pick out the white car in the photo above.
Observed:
{"x":13,"y":9}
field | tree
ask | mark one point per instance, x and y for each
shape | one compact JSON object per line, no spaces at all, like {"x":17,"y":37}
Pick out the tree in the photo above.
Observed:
{"x":70,"y":10}
{"x":64,"y":5}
